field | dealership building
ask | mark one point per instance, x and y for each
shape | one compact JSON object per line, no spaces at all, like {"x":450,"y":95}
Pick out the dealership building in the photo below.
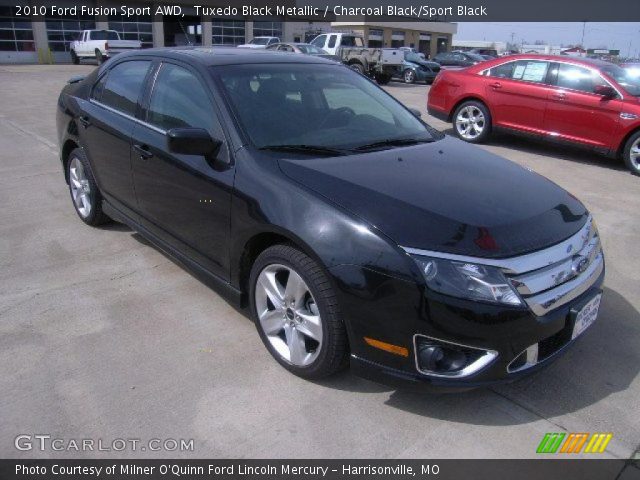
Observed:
{"x":36,"y":38}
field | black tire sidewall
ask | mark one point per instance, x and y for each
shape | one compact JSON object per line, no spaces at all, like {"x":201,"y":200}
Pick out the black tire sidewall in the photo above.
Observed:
{"x":627,"y":154}
{"x":487,"y":121}
{"x":74,"y":58}
{"x":291,"y":257}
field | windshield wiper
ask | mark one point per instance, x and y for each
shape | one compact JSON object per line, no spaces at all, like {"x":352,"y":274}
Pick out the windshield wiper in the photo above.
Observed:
{"x":392,"y":142}
{"x":318,"y":149}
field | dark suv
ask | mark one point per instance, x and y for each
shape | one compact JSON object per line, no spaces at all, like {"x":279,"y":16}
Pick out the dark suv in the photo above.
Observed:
{"x":353,"y":230}
{"x":458,"y":59}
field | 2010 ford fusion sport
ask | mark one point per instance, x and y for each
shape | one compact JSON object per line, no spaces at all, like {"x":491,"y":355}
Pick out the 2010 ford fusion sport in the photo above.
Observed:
{"x":356,"y":233}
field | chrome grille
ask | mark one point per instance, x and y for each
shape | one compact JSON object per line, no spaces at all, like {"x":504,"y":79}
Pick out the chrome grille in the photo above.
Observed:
{"x":562,"y":277}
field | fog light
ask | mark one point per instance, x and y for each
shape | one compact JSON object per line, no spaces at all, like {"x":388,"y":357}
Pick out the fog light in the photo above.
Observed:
{"x":445,"y":359}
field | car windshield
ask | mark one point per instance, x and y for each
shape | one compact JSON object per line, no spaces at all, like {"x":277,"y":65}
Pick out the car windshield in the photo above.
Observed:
{"x":259,"y":41}
{"x":104,"y":35}
{"x":319,"y":105}
{"x":311,"y":49}
{"x":413,"y":57}
{"x":625,"y":78}
{"x":475,"y":57}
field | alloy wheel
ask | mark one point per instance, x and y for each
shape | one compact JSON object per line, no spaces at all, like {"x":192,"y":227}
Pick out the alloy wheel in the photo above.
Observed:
{"x":409,"y":76}
{"x":634,"y":154}
{"x":288,"y":314}
{"x":80,"y":188}
{"x":470,"y":122}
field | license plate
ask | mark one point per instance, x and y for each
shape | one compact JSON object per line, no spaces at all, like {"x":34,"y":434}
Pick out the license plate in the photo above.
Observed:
{"x":586,"y":316}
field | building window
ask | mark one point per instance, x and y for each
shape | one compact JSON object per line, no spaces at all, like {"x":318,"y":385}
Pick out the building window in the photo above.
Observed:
{"x":424,"y":46}
{"x":397,"y":39}
{"x":267,"y":29}
{"x":227,"y":32}
{"x":443,"y":44}
{"x":138,"y":27}
{"x":16,"y":34}
{"x":375,"y":38}
{"x":62,"y":30}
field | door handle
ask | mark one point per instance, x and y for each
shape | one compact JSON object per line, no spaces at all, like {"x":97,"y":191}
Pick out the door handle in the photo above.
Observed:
{"x":84,"y":121}
{"x":143,"y":151}
{"x":496,"y":85}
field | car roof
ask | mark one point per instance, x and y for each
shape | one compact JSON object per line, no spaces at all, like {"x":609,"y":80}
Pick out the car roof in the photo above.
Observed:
{"x":211,"y":56}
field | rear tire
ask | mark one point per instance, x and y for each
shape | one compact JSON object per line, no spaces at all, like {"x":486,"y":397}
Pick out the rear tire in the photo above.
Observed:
{"x":383,"y":78}
{"x":357,"y":67}
{"x":99,"y":57}
{"x":472,"y":121}
{"x":296,"y":313}
{"x":83,"y":189}
{"x":631,"y":153}
{"x":74,"y":58}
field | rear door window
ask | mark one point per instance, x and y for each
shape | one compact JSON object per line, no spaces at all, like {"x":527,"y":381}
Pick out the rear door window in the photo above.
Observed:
{"x":530,"y":71}
{"x":332,"y":41}
{"x":123,"y":86}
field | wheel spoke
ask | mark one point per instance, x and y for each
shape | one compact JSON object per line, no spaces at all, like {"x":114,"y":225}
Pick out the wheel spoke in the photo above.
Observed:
{"x":273,"y":289}
{"x":310,"y":326}
{"x":295,"y":290}
{"x":295,"y":342}
{"x":272,"y":321}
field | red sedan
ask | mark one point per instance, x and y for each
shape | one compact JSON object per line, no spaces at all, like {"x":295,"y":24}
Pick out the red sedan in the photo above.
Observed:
{"x":586,"y":102}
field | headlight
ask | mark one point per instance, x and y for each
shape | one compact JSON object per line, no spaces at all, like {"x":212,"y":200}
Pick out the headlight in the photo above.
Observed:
{"x":467,"y":280}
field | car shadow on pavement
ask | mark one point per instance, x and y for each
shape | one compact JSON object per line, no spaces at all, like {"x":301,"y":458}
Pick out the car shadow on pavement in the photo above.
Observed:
{"x":605,"y":361}
{"x":544,"y":148}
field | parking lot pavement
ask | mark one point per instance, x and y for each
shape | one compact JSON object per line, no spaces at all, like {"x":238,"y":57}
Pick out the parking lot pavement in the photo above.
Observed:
{"x":103,"y":337}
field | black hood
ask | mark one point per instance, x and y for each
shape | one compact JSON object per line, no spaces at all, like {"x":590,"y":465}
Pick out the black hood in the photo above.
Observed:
{"x":447,"y":196}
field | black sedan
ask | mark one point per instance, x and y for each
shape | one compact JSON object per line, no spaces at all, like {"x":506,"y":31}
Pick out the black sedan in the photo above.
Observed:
{"x":354,"y":232}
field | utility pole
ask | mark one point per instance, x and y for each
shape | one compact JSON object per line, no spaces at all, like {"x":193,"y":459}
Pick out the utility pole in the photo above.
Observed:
{"x":584,"y":24}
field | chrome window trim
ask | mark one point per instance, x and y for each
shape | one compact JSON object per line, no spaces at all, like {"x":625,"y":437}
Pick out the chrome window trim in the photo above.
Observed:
{"x":522,"y":263}
{"x":127,"y":116}
{"x":474,"y":367}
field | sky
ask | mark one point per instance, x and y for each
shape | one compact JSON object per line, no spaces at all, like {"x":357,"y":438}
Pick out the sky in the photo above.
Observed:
{"x":615,"y":36}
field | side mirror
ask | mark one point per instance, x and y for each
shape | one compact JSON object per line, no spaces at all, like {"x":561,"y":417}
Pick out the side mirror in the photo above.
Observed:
{"x":192,"y":141}
{"x":416,"y":112}
{"x":606,"y":91}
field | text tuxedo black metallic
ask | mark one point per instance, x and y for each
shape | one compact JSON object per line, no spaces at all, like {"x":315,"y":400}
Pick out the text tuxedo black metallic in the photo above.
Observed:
{"x":352,"y":229}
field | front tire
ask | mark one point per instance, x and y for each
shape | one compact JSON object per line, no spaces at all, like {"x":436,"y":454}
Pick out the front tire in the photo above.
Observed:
{"x":472,"y":122}
{"x":84,"y":191}
{"x":631,"y":153}
{"x":296,"y":313}
{"x":409,"y":76}
{"x":74,"y":58}
{"x":357,"y":67}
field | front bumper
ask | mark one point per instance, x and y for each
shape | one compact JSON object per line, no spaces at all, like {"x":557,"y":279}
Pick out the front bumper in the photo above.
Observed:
{"x":397,"y":311}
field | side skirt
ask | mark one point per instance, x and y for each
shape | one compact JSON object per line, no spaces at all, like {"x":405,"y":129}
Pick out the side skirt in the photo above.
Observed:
{"x":224,"y":288}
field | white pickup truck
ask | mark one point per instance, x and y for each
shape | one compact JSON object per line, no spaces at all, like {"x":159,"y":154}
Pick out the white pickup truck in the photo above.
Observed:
{"x":378,"y":63}
{"x":100,"y":44}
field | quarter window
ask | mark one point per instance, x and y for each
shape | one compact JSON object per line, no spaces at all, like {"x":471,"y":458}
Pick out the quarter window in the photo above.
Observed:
{"x":502,"y":71}
{"x":123,"y":86}
{"x":179,"y":100}
{"x":578,"y":78}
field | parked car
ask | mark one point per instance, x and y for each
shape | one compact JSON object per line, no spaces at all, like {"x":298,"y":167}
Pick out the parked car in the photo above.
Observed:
{"x":101,"y":45}
{"x":260,"y":42}
{"x":379,"y":63}
{"x":585,"y":102}
{"x":303,"y":48}
{"x":353,"y":230}
{"x":416,"y":69}
{"x":457,"y":59}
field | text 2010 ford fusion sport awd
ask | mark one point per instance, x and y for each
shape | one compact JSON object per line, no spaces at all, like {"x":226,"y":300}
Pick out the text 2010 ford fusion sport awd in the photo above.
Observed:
{"x":355,"y":232}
